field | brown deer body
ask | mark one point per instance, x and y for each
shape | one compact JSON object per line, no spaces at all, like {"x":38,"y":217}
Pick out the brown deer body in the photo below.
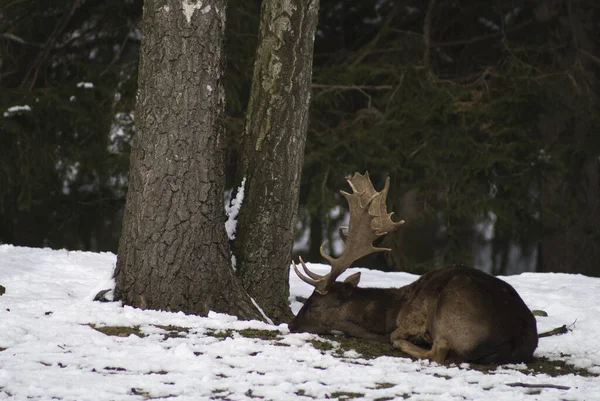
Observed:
{"x":455,"y":313}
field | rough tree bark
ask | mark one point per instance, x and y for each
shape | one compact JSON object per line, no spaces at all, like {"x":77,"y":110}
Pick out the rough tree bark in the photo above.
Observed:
{"x":273,"y":151}
{"x":173,"y":252}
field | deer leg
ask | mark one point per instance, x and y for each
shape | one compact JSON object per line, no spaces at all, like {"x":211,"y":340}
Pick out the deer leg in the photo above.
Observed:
{"x":409,"y":333}
{"x":437,"y":353}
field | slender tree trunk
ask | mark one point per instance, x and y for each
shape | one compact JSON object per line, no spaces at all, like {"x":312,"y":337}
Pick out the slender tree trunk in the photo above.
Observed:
{"x":173,"y":252}
{"x":273,"y":151}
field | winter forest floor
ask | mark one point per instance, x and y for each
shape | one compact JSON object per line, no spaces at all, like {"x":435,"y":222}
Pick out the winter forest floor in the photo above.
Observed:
{"x":57,"y":343}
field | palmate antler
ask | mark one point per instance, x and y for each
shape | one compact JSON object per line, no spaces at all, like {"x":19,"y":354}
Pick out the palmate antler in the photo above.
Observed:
{"x":369,"y":220}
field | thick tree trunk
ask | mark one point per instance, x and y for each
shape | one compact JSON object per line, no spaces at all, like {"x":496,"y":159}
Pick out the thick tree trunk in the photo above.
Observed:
{"x":173,"y":252}
{"x":273,"y":151}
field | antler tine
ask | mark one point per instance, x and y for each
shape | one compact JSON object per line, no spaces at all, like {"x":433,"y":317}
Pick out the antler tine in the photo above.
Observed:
{"x":382,"y":221}
{"x":327,"y":257}
{"x":310,"y":274}
{"x":315,"y":280}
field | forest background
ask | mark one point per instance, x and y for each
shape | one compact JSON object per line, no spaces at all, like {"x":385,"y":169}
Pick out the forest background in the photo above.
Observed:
{"x":485,"y":114}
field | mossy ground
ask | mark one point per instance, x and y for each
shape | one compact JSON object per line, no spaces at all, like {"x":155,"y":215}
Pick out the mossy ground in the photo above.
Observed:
{"x":118,"y":331}
{"x":338,"y":346}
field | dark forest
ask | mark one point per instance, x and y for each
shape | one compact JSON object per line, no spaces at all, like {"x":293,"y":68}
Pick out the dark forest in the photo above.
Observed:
{"x":484,"y":114}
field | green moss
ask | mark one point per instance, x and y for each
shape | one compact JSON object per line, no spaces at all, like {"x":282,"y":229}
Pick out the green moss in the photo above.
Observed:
{"x":171,"y":327}
{"x":404,"y":396}
{"x":118,"y":331}
{"x":344,"y":395}
{"x":174,"y":331}
{"x":263,"y":334}
{"x":222,"y":334}
{"x":322,"y":345}
{"x":367,"y":349}
{"x":379,"y":386}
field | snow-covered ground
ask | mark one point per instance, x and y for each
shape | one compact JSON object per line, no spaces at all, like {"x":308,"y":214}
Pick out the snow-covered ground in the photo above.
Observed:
{"x":49,"y":351}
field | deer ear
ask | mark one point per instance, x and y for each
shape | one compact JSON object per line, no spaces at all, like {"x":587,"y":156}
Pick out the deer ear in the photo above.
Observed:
{"x":353,"y":279}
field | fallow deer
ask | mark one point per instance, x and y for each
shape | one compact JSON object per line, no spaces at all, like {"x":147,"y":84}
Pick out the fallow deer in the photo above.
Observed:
{"x":456,"y":313}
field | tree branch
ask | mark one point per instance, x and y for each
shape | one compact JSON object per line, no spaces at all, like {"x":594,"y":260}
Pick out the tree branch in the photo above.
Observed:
{"x":368,"y":48}
{"x":351,"y":87}
{"x":590,"y":55}
{"x":118,"y":55}
{"x":427,"y":37}
{"x":41,"y":59}
{"x":360,"y":88}
{"x":554,"y":332}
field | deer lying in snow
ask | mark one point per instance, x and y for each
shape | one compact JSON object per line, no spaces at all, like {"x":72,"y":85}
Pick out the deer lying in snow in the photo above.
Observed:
{"x":455,"y":313}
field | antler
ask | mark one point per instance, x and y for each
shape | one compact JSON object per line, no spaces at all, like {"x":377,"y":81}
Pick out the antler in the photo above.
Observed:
{"x":369,"y":220}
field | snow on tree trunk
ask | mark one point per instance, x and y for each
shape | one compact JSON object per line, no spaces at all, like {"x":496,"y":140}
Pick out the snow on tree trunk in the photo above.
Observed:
{"x":173,"y":254}
{"x":273,"y":151}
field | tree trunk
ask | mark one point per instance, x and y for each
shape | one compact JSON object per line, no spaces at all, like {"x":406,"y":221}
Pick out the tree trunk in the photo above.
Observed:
{"x":173,"y":253}
{"x":273,"y":151}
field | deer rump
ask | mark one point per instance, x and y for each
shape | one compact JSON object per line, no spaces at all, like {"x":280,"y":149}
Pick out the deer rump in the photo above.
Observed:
{"x":465,"y":315}
{"x":456,"y":313}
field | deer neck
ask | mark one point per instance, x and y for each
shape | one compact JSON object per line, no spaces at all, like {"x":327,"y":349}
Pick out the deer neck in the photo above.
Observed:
{"x":376,"y":308}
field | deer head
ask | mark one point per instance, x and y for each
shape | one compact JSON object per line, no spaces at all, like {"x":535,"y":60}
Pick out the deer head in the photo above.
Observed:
{"x":327,"y":308}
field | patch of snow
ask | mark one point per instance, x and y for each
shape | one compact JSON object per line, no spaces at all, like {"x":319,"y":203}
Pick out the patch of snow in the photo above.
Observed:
{"x":70,"y":174}
{"x":189,"y":6}
{"x":93,"y":53}
{"x":85,"y":85}
{"x":11,"y":111}
{"x":511,"y":15}
{"x":485,"y":227}
{"x":48,"y":349}
{"x":233,"y":209}
{"x":412,"y":10}
{"x":543,"y":156}
{"x":118,"y":136}
{"x":489,"y":24}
